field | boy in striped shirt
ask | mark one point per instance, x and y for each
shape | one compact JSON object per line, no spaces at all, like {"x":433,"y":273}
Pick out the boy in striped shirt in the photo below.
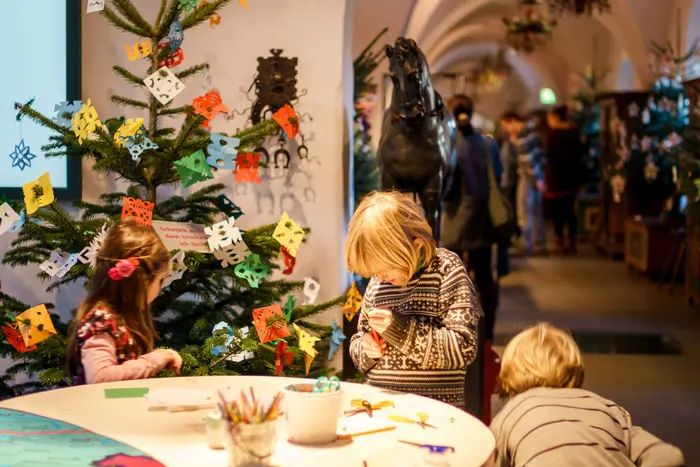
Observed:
{"x":549,"y":421}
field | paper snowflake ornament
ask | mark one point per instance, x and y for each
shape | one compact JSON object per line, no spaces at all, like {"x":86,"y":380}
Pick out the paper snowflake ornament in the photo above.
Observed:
{"x":221,"y":349}
{"x":15,"y":338}
{"x":95,"y":6}
{"x":59,"y":263}
{"x":38,"y":193}
{"x":209,"y":106}
{"x":222,"y":151}
{"x":172,"y":60}
{"x":193,"y":168}
{"x":140,"y":210}
{"x":66,"y":108}
{"x":176,"y":34}
{"x":245,"y":354}
{"x":282,"y":357}
{"x":289,"y":234}
{"x":270,"y":323}
{"x":129,"y":131}
{"x":353,"y":303}
{"x":337,"y":338}
{"x":89,"y":253}
{"x":288,"y":120}
{"x":311,"y":290}
{"x":137,"y":148}
{"x":17,"y":225}
{"x":164,"y":85}
{"x":252,"y":270}
{"x":177,"y":269}
{"x":247,"y":168}
{"x":232,"y":254}
{"x":136,"y":51}
{"x":223,"y":234}
{"x":85,"y":121}
{"x":35,"y":325}
{"x":307,"y":342}
{"x":228,"y":207}
{"x":8,"y":217}
{"x":22,"y":156}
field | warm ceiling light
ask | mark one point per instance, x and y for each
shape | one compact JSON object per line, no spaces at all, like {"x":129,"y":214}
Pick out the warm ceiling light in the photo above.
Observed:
{"x":580,"y":7}
{"x":530,"y":26}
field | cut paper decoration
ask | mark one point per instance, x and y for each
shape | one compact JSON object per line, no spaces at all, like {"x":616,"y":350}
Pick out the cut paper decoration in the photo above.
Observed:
{"x":136,"y":51}
{"x":308,"y":359}
{"x":8,"y":217}
{"x":337,"y":338}
{"x":172,"y":60}
{"x":289,"y":261}
{"x":129,"y":131}
{"x":353,"y":303}
{"x":307,"y":342}
{"x":17,"y":225}
{"x":244,"y":3}
{"x":136,"y":149}
{"x":209,"y":106}
{"x":282,"y":357}
{"x":227,"y":206}
{"x":94,"y":6}
{"x":164,"y":85}
{"x":38,"y":193}
{"x":214,"y":20}
{"x":188,"y":5}
{"x":289,"y":234}
{"x":64,"y":108}
{"x":89,"y":253}
{"x":289,"y":307}
{"x":85,"y":121}
{"x":176,"y":35}
{"x":288,"y":120}
{"x":233,"y":254}
{"x":270,"y":323}
{"x":15,"y":338}
{"x":311,"y":290}
{"x":244,"y":355}
{"x":140,"y":210}
{"x":222,"y":150}
{"x":247,"y":168}
{"x":223,"y":234}
{"x":22,"y":156}
{"x":193,"y":168}
{"x":59,"y":263}
{"x":35,"y":325}
{"x":222,"y":349}
{"x":65,"y":267}
{"x":252,"y":270}
{"x":177,"y":269}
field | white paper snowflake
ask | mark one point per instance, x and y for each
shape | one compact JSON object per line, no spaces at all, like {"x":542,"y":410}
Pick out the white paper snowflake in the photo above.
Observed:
{"x":223,"y":234}
{"x":89,"y":253}
{"x":177,"y":268}
{"x":54,"y":263}
{"x":311,"y":289}
{"x":8,"y":217}
{"x":233,"y":254}
{"x":245,"y":355}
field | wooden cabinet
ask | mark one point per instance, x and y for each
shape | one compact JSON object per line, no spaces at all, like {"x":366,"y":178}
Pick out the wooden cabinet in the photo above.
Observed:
{"x":588,"y":213}
{"x":648,"y":244}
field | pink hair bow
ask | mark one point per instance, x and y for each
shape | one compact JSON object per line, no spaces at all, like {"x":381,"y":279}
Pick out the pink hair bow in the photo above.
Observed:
{"x":123,"y":268}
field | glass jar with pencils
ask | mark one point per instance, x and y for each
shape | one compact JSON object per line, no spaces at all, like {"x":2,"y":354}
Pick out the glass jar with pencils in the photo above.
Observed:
{"x":251,"y":431}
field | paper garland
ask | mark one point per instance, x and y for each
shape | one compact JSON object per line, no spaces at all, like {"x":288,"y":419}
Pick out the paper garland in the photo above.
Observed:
{"x":337,"y":338}
{"x":353,"y":302}
{"x":270,"y":323}
{"x":139,"y":210}
{"x":38,"y":193}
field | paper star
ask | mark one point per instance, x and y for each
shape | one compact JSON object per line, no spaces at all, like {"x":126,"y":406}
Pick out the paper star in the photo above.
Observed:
{"x":22,"y":156}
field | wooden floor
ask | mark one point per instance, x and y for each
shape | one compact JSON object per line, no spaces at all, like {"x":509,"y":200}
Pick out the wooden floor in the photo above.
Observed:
{"x":592,"y":294}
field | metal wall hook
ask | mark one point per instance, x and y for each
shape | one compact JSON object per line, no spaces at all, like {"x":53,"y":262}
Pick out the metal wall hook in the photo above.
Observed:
{"x":283,"y":152}
{"x":263,"y":152}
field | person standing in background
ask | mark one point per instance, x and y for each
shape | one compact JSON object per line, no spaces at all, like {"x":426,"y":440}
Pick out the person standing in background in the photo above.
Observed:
{"x":528,"y":143}
{"x":564,"y":176}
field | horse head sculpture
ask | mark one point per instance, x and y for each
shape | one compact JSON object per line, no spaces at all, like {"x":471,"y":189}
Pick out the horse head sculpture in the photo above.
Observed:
{"x":416,"y":149}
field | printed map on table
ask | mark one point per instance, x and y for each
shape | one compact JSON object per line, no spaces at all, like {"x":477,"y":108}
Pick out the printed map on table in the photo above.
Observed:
{"x":29,"y":440}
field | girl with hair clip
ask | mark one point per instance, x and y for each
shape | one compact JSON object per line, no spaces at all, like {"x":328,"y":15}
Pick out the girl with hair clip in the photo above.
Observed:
{"x":550,"y":421}
{"x":111,"y":337}
{"x":417,"y":330}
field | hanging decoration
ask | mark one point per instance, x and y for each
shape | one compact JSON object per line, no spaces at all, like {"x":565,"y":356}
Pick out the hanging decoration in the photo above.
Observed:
{"x":209,"y":106}
{"x":15,"y":338}
{"x":232,"y":254}
{"x":282,"y":357}
{"x":85,"y":121}
{"x":95,"y":6}
{"x":244,"y":3}
{"x":66,"y":108}
{"x":22,"y":156}
{"x":59,"y":263}
{"x":289,"y":261}
{"x":289,"y":234}
{"x":164,"y":85}
{"x":252,"y":270}
{"x":337,"y":338}
{"x":270,"y":323}
{"x":223,"y":234}
{"x":17,"y":225}
{"x":38,"y":193}
{"x":89,"y":253}
{"x":288,"y":120}
{"x":193,"y":168}
{"x":353,"y":303}
{"x":139,"y":210}
{"x":35,"y":325}
{"x":580,"y":7}
{"x":136,"y":51}
{"x":247,"y":168}
{"x":177,"y":269}
{"x":289,"y":307}
{"x":228,"y":207}
{"x":172,"y":60}
{"x":8,"y":217}
{"x":530,"y":26}
{"x":223,"y":152}
{"x":311,"y":290}
{"x":176,"y":35}
{"x":127,"y":131}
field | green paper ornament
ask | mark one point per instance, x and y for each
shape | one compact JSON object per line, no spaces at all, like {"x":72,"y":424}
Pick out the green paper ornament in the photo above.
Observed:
{"x":193,"y":168}
{"x":289,"y":307}
{"x":251,"y":270}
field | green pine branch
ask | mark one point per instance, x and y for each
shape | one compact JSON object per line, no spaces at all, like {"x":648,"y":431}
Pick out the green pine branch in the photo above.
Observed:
{"x":124,"y":25}
{"x":202,"y":13}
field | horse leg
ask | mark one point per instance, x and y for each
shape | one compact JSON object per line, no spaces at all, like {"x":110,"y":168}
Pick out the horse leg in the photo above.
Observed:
{"x":387,"y":182}
{"x":431,"y":199}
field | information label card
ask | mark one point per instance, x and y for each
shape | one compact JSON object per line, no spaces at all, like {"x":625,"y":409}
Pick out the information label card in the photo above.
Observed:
{"x":182,"y":236}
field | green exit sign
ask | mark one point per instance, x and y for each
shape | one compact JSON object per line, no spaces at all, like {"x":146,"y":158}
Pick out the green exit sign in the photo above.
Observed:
{"x":547,"y":97}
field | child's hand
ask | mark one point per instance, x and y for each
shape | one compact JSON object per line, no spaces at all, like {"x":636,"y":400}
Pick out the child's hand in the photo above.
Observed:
{"x":173,"y":360}
{"x":380,"y":319}
{"x":371,"y":348}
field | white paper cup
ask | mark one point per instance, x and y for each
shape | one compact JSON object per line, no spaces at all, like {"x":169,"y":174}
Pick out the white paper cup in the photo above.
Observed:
{"x":312,"y":417}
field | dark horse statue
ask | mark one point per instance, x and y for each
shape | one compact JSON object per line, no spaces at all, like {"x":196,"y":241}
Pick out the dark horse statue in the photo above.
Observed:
{"x":416,"y":150}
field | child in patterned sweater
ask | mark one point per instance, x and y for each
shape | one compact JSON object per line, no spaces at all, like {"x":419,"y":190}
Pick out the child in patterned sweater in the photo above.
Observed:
{"x":417,"y":331}
{"x":111,"y":337}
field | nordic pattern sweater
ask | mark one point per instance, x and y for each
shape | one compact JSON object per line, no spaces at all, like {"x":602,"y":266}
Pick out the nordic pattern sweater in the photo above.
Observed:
{"x":432,"y":338}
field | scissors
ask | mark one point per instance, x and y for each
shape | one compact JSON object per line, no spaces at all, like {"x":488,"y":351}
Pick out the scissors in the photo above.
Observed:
{"x":422,"y":417}
{"x":435,"y":449}
{"x":375,"y":334}
{"x":324,"y":384}
{"x":367,"y":407}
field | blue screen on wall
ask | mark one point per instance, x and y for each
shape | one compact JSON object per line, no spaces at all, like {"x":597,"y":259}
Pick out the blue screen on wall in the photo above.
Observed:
{"x":42,"y":63}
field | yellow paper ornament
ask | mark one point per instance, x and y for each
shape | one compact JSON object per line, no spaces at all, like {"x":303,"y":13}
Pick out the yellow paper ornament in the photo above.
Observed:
{"x":35,"y":325}
{"x":38,"y":193}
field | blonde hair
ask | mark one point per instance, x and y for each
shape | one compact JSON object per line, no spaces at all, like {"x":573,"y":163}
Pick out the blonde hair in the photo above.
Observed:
{"x":388,"y":232}
{"x":541,"y":356}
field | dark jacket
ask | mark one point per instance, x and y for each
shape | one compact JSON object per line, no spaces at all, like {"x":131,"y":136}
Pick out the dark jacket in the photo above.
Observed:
{"x":565,"y":172}
{"x":466,"y":224}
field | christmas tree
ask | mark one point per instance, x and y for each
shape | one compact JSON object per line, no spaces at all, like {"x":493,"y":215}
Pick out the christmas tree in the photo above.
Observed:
{"x":205,"y":309}
{"x":586,"y":116}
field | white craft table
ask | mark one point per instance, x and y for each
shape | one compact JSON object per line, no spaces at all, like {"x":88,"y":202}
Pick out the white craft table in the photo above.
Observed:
{"x":178,"y":438}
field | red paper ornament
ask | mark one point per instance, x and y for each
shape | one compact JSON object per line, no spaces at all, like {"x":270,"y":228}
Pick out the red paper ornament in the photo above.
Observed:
{"x":288,"y":120}
{"x":15,"y":339}
{"x":139,"y":209}
{"x":209,"y":106}
{"x":282,"y":357}
{"x":174,"y":59}
{"x":289,"y":261}
{"x":270,"y":323}
{"x":247,"y":168}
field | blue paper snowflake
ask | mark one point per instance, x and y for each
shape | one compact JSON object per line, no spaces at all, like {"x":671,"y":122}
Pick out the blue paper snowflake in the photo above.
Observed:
{"x":22,"y":156}
{"x":176,"y":35}
{"x":63,"y":108}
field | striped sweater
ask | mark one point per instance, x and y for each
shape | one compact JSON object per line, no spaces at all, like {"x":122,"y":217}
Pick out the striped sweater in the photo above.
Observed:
{"x":432,"y":338}
{"x":546,"y":427}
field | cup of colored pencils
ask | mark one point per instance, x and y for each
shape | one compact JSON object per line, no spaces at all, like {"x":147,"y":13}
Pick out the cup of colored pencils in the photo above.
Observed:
{"x":251,"y":429}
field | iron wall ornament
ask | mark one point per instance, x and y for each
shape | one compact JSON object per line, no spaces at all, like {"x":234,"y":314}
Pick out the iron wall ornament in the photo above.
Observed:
{"x":275,"y":84}
{"x":580,"y":7}
{"x":530,"y":26}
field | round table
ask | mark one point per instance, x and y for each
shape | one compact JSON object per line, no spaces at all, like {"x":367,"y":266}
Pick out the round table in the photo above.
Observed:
{"x":178,"y":438}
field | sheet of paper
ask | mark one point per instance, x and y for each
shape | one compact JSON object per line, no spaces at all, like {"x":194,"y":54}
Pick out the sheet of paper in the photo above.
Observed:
{"x":164,"y":85}
{"x":125,"y":393}
{"x":185,"y":236}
